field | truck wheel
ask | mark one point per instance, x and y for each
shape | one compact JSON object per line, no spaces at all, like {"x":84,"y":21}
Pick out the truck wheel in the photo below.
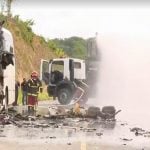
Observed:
{"x":64,"y":96}
{"x":93,"y":112}
{"x":1,"y":95}
{"x":109,"y":109}
{"x":6,"y":99}
{"x":6,"y":94}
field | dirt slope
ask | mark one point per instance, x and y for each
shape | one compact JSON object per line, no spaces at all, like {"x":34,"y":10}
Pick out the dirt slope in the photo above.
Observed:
{"x":28,"y":56}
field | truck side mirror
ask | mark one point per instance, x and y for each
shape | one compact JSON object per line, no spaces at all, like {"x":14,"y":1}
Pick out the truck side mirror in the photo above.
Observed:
{"x":6,"y":59}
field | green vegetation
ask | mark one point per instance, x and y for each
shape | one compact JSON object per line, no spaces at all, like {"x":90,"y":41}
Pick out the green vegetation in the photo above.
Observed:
{"x":19,"y":97}
{"x":25,"y":28}
{"x":43,"y":96}
{"x":58,"y":51}
{"x":30,"y":48}
{"x":73,"y":46}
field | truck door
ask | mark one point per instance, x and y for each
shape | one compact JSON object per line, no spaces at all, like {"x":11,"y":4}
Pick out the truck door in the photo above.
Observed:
{"x":45,"y":71}
{"x":71,"y":69}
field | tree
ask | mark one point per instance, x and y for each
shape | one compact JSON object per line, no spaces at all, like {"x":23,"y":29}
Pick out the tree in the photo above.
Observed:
{"x":73,"y":46}
{"x":8,"y":5}
{"x":2,"y":6}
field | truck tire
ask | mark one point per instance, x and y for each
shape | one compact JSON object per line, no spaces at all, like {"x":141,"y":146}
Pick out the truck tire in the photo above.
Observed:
{"x":109,"y":110}
{"x":6,"y":96}
{"x":93,"y":112}
{"x":1,"y":95}
{"x":64,"y":96}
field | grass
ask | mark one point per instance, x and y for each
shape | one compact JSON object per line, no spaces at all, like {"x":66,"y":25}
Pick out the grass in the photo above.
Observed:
{"x":19,"y":97}
{"x":25,"y":29}
{"x":41,"y":97}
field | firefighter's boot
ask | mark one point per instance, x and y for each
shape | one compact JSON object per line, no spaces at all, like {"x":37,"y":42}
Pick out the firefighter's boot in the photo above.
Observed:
{"x":29,"y":110}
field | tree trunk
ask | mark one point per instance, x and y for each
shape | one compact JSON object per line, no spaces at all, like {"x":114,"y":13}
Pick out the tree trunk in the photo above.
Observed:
{"x":2,"y":6}
{"x":9,"y":2}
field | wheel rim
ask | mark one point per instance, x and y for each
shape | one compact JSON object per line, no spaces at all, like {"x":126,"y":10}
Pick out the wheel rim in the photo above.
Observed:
{"x":63,"y":97}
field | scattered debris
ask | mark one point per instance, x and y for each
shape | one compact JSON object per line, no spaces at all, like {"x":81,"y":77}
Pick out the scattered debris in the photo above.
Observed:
{"x":2,"y":135}
{"x":88,"y":129}
{"x":123,"y":124}
{"x":93,"y":112}
{"x":76,"y":109}
{"x":125,"y":139}
{"x":140,"y":132}
{"x":74,"y":119}
{"x":99,"y":134}
{"x":137,"y":129}
{"x":8,"y":119}
{"x":52,"y":137}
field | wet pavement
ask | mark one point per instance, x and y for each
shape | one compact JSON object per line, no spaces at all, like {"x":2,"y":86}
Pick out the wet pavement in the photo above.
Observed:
{"x":78,"y":133}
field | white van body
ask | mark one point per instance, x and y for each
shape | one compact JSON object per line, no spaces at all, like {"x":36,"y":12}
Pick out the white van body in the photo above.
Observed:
{"x":9,"y":72}
{"x":79,"y":68}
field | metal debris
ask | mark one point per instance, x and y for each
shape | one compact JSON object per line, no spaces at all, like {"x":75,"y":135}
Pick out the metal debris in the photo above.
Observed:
{"x":99,"y":134}
{"x":140,"y":132}
{"x":74,"y":118}
{"x":125,"y":139}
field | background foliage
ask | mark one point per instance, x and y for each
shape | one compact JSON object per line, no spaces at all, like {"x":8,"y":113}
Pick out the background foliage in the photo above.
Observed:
{"x":73,"y":46}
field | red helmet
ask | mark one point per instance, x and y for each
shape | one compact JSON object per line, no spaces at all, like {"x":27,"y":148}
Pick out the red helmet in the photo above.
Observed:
{"x":34,"y":74}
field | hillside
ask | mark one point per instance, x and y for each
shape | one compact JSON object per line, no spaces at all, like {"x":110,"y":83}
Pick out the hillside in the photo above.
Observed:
{"x":73,"y":46}
{"x":28,"y":53}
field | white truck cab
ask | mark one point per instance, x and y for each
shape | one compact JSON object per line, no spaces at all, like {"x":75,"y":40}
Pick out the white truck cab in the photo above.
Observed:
{"x":7,"y":68}
{"x":65,"y":66}
{"x":61,"y":75}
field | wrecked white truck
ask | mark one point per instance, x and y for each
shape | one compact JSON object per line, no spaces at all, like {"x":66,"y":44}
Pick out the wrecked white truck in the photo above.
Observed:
{"x":64,"y":76}
{"x":71,"y":80}
{"x":7,"y":68}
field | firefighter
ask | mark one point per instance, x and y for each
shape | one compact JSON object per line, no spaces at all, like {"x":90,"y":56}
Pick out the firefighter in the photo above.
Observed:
{"x":34,"y":86}
{"x":24,"y":91}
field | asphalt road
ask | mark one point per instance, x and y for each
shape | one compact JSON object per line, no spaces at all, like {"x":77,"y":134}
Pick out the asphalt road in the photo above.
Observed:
{"x":72,"y":134}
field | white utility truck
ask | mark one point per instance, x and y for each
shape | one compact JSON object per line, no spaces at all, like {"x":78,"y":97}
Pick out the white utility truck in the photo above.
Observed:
{"x":71,"y":79}
{"x":65,"y":78}
{"x":7,"y":68}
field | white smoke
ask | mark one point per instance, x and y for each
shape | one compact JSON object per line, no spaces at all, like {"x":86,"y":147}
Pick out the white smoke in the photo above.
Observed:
{"x":124,"y":79}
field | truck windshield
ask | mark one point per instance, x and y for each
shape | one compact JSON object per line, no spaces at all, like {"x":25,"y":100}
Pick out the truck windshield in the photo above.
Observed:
{"x":58,"y":65}
{"x":77,"y":65}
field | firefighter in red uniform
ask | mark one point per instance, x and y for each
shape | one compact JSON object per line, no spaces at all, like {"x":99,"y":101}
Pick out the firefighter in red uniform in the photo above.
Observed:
{"x":34,"y":86}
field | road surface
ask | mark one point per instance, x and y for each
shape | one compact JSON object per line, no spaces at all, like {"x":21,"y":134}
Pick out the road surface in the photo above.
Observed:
{"x":72,"y":134}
